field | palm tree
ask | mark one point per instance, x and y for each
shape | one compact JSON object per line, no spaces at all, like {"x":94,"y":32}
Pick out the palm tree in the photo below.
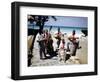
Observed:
{"x":40,"y":21}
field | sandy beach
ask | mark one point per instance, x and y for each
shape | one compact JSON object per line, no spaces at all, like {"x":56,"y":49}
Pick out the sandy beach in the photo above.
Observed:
{"x":81,"y":54}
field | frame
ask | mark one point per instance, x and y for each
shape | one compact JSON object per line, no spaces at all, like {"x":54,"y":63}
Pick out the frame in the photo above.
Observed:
{"x":23,"y":11}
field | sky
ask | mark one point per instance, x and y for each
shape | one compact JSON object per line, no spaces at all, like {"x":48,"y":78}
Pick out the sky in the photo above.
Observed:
{"x":68,"y":21}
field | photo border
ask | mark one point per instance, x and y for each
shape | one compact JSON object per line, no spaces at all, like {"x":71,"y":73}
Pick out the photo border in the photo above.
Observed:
{"x":15,"y":40}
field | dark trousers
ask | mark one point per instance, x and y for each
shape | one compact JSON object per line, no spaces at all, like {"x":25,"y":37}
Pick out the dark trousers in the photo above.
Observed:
{"x":42,"y":49}
{"x":42,"y":52}
{"x":58,"y":42}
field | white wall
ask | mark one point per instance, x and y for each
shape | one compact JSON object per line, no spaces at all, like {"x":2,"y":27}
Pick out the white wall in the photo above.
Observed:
{"x":5,"y":42}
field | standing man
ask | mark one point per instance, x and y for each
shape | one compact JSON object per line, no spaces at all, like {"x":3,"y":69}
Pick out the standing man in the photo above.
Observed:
{"x":58,"y":37}
{"x":41,"y":41}
{"x":46,"y":36}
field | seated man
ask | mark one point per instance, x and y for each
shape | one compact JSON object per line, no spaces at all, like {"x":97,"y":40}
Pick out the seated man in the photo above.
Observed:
{"x":73,"y":43}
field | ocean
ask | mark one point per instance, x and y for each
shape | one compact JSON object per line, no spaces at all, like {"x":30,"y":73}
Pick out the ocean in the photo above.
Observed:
{"x":63,"y":29}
